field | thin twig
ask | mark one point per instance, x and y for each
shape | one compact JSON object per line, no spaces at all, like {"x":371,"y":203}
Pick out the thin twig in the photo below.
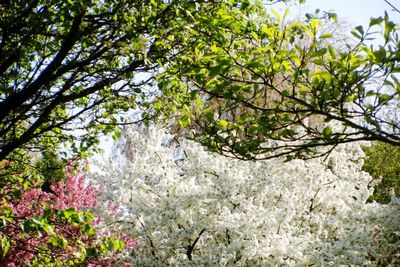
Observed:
{"x":392,"y":6}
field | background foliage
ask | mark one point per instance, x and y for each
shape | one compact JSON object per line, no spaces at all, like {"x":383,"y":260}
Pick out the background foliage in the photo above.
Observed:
{"x":382,"y":162}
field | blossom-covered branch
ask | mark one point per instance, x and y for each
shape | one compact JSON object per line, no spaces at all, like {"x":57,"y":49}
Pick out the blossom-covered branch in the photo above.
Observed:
{"x":266,"y":213}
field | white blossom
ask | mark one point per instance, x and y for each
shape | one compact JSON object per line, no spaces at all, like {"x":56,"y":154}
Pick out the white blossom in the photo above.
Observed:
{"x":242,"y":213}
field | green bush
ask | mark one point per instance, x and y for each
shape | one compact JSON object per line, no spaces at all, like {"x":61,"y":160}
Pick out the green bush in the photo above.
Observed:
{"x":383,"y":163}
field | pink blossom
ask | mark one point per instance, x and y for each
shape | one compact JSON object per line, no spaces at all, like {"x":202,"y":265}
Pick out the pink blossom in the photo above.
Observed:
{"x":97,"y":220}
{"x":71,"y":193}
{"x":129,"y":241}
{"x":113,"y":208}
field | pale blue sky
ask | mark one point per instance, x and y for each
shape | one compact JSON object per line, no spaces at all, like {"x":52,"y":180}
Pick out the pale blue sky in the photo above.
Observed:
{"x":356,"y":12}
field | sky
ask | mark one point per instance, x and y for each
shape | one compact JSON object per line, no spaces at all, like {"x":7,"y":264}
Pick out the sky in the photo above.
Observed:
{"x":357,"y":12}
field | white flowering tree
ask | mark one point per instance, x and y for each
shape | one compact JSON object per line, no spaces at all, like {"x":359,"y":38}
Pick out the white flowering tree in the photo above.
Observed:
{"x":187,"y":207}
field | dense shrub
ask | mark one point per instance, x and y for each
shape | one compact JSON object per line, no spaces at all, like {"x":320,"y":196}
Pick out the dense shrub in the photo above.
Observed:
{"x":49,"y":221}
{"x":383,"y":163}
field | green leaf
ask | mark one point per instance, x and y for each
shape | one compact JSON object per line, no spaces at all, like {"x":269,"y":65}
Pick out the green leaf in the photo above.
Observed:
{"x":327,"y":133}
{"x":288,"y":133}
{"x":276,"y":14}
{"x":244,"y":5}
{"x":375,"y":21}
{"x":255,"y":63}
{"x":351,"y":98}
{"x":326,"y":35}
{"x":389,"y":27}
{"x":184,"y":121}
{"x":332,"y":51}
{"x":360,"y":29}
{"x":325,"y":76}
{"x":91,"y":252}
{"x":87,"y":229}
{"x":58,"y":241}
{"x":27,"y":226}
{"x":380,"y":55}
{"x":383,"y":98}
{"x":68,"y":213}
{"x":5,"y":243}
{"x":320,"y":52}
{"x":223,"y":123}
{"x":357,"y":35}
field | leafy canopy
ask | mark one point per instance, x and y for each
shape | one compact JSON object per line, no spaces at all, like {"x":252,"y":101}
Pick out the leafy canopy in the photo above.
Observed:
{"x":70,"y":70}
{"x":257,"y":77}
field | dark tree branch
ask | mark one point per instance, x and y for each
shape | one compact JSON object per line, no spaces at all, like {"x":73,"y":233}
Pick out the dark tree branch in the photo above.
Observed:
{"x":392,"y":6}
{"x":191,"y":247}
{"x":46,"y":76}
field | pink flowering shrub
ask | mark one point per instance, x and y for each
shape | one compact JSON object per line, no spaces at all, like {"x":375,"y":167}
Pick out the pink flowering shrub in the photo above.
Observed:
{"x":56,"y":228}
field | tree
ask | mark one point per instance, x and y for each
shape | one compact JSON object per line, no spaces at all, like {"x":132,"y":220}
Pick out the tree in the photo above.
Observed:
{"x":189,"y":207}
{"x":264,"y":78}
{"x":70,"y":70}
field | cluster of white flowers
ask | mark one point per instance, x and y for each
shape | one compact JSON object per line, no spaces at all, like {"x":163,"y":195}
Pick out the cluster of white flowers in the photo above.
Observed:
{"x":187,"y":207}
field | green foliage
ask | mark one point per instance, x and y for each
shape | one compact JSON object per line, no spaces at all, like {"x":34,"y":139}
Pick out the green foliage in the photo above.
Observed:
{"x":256,"y":77}
{"x":51,"y":167}
{"x":382,"y":162}
{"x":73,"y":64}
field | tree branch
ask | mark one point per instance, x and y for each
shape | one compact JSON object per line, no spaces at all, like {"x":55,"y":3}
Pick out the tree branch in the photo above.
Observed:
{"x":46,"y":76}
{"x":190,"y":248}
